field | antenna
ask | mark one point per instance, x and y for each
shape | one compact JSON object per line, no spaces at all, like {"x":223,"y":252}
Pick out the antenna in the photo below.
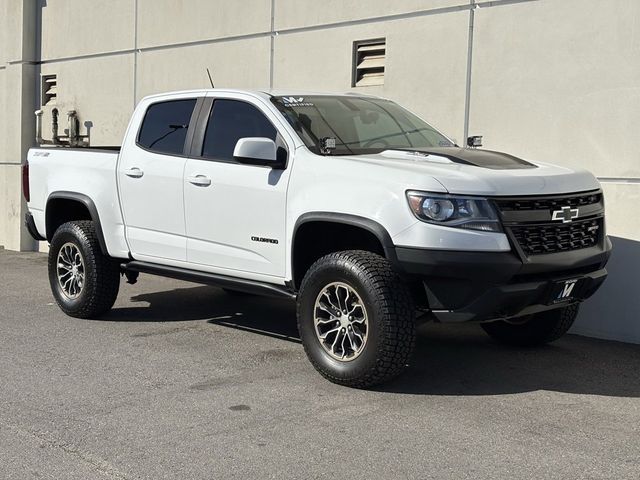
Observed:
{"x":210,"y":80}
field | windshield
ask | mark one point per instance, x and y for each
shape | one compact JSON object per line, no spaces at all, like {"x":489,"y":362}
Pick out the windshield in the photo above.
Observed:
{"x":359,"y":125}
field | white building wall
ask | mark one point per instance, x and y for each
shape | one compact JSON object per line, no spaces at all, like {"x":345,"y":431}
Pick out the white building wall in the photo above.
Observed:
{"x":425,"y":66}
{"x":234,"y":63}
{"x":17,"y":99}
{"x":560,"y":82}
{"x":550,"y":80}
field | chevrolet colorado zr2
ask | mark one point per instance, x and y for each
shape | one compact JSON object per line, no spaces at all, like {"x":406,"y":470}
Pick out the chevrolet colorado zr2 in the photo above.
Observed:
{"x":365,"y":215}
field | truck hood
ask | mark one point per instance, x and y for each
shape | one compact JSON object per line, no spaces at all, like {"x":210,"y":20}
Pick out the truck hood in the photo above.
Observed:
{"x":484,"y":172}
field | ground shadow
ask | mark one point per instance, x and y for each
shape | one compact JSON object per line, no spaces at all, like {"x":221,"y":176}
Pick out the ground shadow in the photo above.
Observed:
{"x":617,"y":300}
{"x":263,"y":315}
{"x":449,"y":359}
{"x":462,"y":360}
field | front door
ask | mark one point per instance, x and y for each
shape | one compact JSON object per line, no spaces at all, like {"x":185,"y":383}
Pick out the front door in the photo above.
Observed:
{"x":235,"y":213}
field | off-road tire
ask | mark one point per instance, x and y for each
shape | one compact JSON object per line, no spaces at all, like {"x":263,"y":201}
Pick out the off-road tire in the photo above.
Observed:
{"x":539,"y":329}
{"x":101,"y":277}
{"x":390,"y":311}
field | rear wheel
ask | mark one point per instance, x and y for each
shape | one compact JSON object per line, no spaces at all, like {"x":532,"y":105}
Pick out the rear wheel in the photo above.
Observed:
{"x":533,"y":330}
{"x":84,"y":282}
{"x":356,"y":319}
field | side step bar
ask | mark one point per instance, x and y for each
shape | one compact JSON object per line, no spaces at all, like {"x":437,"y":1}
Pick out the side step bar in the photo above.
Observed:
{"x":224,"y":281}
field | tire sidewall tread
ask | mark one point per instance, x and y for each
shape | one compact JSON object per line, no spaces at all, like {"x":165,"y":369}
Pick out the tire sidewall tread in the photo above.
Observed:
{"x":102,"y":274}
{"x":390,"y":310}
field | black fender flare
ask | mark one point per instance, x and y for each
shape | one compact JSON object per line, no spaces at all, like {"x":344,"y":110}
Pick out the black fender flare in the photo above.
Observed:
{"x":371,"y":226}
{"x":88,"y":203}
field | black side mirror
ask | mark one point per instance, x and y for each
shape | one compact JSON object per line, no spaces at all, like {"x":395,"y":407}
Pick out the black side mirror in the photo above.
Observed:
{"x":475,"y":141}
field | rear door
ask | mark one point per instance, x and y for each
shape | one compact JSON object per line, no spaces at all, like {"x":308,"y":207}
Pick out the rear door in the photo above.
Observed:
{"x":150,"y":177}
{"x":235,"y":213}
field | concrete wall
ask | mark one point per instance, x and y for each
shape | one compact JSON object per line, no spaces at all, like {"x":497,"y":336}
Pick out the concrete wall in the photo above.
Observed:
{"x":17,"y":77}
{"x":199,"y":20}
{"x":549,"y":80}
{"x":4,"y":167}
{"x":579,"y":87}
{"x":156,"y":68}
{"x":100,"y":89}
{"x":70,"y":28}
{"x":291,"y":14}
{"x":560,"y":82}
{"x":421,"y":49}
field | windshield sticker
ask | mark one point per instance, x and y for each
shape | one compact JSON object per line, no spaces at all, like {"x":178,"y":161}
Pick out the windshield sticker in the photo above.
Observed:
{"x":296,"y":102}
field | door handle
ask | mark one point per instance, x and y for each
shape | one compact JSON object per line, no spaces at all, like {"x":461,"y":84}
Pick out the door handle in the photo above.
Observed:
{"x":199,"y":180}
{"x":134,"y":172}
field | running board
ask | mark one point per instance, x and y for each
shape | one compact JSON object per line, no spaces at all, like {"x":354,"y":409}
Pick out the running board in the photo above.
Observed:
{"x":223,"y":281}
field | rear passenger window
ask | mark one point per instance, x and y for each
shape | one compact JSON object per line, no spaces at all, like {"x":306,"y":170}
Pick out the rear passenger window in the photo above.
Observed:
{"x":231,"y":120}
{"x":165,"y":125}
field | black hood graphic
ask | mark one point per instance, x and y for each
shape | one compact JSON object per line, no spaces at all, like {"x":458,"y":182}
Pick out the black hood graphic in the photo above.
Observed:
{"x":476,"y":157}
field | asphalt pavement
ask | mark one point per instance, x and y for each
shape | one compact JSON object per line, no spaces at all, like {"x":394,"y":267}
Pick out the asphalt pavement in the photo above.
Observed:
{"x":183,"y":381}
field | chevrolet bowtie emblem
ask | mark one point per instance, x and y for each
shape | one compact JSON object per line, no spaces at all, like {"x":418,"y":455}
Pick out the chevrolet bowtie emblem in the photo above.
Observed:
{"x":566,"y":214}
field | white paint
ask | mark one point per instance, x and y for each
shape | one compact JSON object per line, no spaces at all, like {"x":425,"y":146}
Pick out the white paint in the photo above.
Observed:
{"x":203,"y":214}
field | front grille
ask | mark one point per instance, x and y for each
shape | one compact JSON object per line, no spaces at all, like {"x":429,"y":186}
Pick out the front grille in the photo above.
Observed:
{"x":548,"y":203}
{"x":554,"y":238}
{"x":553,"y":223}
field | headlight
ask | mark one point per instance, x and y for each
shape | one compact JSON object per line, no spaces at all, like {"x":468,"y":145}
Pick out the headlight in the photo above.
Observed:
{"x":453,"y":211}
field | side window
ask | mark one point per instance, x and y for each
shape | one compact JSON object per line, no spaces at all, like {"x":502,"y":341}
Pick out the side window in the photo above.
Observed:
{"x":231,"y":120}
{"x":165,"y":125}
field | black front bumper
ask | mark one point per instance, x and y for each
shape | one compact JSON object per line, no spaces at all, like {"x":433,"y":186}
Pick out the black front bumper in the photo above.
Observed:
{"x":477,"y":286}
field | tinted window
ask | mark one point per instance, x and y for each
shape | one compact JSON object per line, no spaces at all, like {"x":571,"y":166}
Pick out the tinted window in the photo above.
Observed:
{"x":231,"y":120}
{"x":359,"y":125}
{"x":165,"y":124}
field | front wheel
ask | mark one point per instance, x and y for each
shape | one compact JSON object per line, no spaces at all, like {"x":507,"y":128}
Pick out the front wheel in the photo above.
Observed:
{"x":533,"y":330}
{"x":84,"y":281}
{"x":356,"y":319}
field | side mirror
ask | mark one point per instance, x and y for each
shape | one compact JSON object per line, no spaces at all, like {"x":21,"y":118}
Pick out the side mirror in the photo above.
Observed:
{"x":475,"y":141}
{"x":257,"y":151}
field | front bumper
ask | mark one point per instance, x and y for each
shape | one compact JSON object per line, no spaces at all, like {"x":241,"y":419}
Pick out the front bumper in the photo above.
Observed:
{"x":477,"y":286}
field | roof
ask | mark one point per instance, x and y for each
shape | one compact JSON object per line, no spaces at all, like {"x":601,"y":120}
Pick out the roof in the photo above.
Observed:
{"x":264,"y":93}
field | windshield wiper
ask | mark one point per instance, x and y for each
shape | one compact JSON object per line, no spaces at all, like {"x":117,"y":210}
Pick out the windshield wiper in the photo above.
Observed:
{"x":174,"y":128}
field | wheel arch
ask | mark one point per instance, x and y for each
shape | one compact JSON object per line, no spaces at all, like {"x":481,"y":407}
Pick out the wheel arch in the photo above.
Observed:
{"x":62,"y":207}
{"x":357,"y":223}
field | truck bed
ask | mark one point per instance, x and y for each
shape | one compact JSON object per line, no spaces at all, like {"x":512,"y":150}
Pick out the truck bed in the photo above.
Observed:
{"x":86,"y":172}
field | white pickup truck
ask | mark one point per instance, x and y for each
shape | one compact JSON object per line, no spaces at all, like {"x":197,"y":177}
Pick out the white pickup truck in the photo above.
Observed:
{"x":356,"y":208}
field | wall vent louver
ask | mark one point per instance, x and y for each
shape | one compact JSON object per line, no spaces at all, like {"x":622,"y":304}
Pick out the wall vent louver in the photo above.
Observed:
{"x":49,"y":89}
{"x":368,"y":62}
